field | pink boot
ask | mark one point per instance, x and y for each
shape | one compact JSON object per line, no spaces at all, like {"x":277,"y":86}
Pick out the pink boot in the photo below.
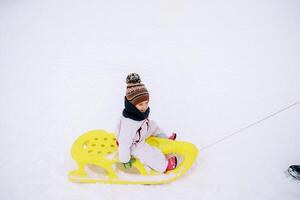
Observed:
{"x":172,"y":163}
{"x":173,"y":136}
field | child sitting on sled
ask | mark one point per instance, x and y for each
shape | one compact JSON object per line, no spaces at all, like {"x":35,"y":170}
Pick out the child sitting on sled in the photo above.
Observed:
{"x":135,"y":127}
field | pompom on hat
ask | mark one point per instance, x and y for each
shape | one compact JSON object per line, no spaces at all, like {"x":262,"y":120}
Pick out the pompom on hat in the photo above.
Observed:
{"x":136,"y":92}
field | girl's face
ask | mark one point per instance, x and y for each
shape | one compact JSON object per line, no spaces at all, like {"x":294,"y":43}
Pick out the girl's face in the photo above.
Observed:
{"x":143,"y":106}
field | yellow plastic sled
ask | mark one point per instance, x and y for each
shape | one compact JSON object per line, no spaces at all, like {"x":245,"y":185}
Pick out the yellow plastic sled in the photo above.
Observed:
{"x":96,"y":155}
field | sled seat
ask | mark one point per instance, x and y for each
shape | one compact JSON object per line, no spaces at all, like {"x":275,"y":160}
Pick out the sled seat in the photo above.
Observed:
{"x":99,"y":148}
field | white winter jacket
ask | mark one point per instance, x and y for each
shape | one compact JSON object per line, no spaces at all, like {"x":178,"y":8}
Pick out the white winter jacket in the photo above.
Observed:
{"x":131,"y":135}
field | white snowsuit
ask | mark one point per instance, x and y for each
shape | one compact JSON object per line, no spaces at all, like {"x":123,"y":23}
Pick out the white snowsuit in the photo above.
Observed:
{"x":131,"y":137}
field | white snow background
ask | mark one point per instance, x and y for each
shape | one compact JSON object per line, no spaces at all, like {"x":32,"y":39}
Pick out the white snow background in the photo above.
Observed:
{"x":212,"y":68}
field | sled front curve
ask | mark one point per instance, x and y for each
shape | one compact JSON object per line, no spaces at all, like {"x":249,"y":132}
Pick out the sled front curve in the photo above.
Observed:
{"x":99,"y":148}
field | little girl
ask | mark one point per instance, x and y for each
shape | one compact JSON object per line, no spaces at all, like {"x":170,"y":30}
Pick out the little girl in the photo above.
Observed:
{"x":135,"y":127}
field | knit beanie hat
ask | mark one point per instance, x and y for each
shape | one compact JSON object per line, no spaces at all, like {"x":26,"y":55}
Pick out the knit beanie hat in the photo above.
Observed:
{"x":136,"y":92}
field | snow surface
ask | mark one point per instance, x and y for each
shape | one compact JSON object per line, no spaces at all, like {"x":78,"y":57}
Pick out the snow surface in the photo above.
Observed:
{"x":212,"y":68}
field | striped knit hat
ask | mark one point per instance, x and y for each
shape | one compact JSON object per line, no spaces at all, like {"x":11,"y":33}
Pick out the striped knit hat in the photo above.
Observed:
{"x":136,"y":92}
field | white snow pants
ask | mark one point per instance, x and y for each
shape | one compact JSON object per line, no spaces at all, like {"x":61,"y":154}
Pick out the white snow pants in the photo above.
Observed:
{"x":151,"y":157}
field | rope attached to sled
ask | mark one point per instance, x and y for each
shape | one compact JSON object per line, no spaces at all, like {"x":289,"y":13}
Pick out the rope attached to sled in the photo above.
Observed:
{"x":250,"y":125}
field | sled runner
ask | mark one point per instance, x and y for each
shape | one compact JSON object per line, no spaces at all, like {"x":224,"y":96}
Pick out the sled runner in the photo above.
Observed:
{"x":96,"y":155}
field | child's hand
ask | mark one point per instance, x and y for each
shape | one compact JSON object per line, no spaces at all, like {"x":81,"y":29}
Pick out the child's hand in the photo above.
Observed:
{"x":173,"y":136}
{"x":128,"y":165}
